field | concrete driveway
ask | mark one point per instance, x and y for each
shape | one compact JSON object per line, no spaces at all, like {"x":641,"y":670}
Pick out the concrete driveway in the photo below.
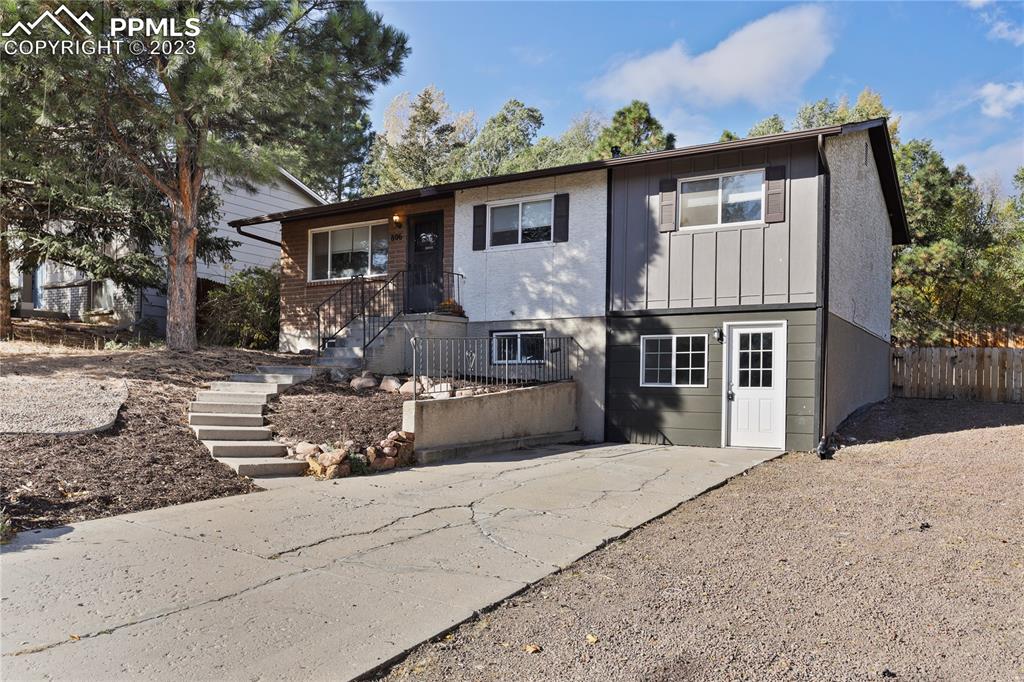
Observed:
{"x":325,"y":580}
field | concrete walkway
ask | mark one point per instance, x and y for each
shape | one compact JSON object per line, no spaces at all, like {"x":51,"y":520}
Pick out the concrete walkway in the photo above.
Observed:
{"x":325,"y":580}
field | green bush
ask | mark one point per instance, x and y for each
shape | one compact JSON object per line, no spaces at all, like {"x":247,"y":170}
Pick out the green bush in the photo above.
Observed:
{"x":245,"y":313}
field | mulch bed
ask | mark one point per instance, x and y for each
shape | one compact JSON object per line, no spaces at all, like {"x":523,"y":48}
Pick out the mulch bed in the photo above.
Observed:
{"x":149,"y":459}
{"x":322,"y":411}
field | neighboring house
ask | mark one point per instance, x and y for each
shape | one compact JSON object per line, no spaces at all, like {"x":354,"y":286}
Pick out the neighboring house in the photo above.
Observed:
{"x":730,"y":294}
{"x":53,"y":288}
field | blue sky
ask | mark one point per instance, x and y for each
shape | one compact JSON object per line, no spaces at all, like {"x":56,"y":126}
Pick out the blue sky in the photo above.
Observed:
{"x":954,"y":71}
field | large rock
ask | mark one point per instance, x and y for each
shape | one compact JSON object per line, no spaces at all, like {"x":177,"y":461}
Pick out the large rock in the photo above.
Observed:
{"x":330,"y":459}
{"x":371,"y":454}
{"x":408,"y":388}
{"x":305,"y":449}
{"x":361,"y":383}
{"x":391,"y":384}
{"x":384,"y":463}
{"x":440,"y":391}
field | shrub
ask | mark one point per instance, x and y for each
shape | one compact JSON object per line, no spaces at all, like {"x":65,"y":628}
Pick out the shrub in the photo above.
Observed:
{"x":245,"y":313}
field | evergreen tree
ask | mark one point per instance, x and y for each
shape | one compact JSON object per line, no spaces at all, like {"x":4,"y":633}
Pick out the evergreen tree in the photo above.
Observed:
{"x":728,"y":136}
{"x":634,"y":130}
{"x":769,"y":126}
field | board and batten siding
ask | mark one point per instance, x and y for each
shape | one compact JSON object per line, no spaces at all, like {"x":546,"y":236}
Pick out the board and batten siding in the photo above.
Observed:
{"x":693,"y":416}
{"x":709,"y":267}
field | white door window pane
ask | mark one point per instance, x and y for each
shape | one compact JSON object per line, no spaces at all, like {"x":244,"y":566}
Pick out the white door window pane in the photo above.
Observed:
{"x":698,"y":203}
{"x":321,"y":247}
{"x":504,"y":225}
{"x":537,"y":221}
{"x":741,"y":197}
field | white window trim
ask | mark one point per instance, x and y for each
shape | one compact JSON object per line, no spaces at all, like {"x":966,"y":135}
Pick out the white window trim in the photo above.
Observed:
{"x":519,"y":346}
{"x":643,"y":362}
{"x":520,"y":201}
{"x":347,"y":226}
{"x":719,"y":176}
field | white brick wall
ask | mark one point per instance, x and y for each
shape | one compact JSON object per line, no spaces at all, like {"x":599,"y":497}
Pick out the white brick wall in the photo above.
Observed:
{"x":537,"y":281}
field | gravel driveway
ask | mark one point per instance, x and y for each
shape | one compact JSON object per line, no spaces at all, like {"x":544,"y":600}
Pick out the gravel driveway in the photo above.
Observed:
{"x":64,"y":406}
{"x":898,"y":559}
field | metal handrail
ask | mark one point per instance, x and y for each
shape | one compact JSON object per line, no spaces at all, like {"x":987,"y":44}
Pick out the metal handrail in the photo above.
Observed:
{"x":333,"y":301}
{"x":383,"y":307}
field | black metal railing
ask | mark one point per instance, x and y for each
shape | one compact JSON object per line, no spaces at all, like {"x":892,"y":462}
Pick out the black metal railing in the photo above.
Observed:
{"x":337,"y":311}
{"x":381,"y":309}
{"x":442,"y":367}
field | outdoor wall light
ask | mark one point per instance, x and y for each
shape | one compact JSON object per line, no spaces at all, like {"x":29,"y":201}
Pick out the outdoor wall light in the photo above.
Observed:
{"x":397,"y":220}
{"x":719,"y":336}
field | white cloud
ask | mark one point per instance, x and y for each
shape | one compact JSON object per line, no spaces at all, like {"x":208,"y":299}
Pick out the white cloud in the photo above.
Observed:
{"x":997,"y":163}
{"x":1000,"y":28}
{"x":998,"y":100}
{"x":977,"y":4}
{"x":765,"y":62}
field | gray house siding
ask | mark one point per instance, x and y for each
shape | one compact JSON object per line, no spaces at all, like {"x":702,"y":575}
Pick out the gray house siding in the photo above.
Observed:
{"x":857,"y":370}
{"x":693,"y":416}
{"x":713,"y":267}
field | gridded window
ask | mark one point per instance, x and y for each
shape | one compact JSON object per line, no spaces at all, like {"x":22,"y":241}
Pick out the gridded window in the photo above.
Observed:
{"x":674,"y":360}
{"x":517,"y":348}
{"x":755,"y":353}
{"x":525,"y":222}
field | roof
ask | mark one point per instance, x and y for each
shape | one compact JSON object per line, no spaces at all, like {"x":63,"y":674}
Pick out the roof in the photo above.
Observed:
{"x":301,"y":186}
{"x":877,"y":130}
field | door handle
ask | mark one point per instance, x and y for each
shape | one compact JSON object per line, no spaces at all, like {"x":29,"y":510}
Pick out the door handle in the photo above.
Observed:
{"x":730,"y":395}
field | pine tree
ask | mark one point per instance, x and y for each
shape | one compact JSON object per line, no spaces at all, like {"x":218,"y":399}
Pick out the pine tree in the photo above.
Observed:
{"x":634,"y":130}
{"x":772,"y":125}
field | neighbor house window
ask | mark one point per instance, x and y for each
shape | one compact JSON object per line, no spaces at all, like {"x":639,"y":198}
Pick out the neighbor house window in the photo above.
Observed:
{"x":677,"y":360}
{"x":722,"y":200}
{"x":517,"y":348}
{"x":351,"y":251}
{"x":523,"y":222}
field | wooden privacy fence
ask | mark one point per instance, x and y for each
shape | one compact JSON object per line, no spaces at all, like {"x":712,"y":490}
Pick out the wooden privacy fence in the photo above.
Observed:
{"x":992,"y":374}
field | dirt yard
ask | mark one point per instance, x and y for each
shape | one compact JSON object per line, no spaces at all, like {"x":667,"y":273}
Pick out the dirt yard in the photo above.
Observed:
{"x":322,"y":411}
{"x":150,"y":457}
{"x":901,"y":558}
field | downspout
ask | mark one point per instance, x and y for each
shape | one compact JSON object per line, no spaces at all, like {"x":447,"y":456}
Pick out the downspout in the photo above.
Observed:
{"x":257,"y":237}
{"x":824,"y":450}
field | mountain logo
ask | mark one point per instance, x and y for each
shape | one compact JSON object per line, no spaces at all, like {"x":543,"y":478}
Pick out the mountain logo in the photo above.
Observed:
{"x":69,"y":16}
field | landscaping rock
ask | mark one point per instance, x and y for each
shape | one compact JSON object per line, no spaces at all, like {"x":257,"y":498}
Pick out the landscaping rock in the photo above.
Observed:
{"x":371,"y":454}
{"x":390,"y":384}
{"x":384,"y":463}
{"x":339,"y":375}
{"x":305,"y":449}
{"x":426,"y":383}
{"x":405,"y":454}
{"x":393,"y":435}
{"x":360,"y":383}
{"x":464,"y":392}
{"x":407,"y":436}
{"x":368,"y":374}
{"x":315,"y":467}
{"x":390,"y":451}
{"x":408,"y":388}
{"x":330,"y":459}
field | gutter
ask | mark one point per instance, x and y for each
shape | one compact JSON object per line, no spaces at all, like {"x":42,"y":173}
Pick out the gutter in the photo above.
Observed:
{"x":823,"y":449}
{"x":250,"y":235}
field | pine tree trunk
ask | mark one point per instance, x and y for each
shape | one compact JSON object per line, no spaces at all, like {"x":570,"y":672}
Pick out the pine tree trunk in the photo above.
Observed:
{"x":6,"y":327}
{"x":181,"y":286}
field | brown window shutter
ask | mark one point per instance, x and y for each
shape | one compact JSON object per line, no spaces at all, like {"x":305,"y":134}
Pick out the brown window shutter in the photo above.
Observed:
{"x":560,"y":229}
{"x":775,"y":194}
{"x":480,"y":227}
{"x":668,"y":189}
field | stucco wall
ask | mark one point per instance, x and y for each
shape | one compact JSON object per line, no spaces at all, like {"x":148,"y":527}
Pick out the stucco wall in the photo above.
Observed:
{"x":860,"y":237}
{"x":590,"y":334}
{"x":857,"y":371}
{"x":533,"y":281}
{"x":533,"y":411}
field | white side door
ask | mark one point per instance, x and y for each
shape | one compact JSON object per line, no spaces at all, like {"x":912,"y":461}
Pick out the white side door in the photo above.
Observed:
{"x":756,"y":385}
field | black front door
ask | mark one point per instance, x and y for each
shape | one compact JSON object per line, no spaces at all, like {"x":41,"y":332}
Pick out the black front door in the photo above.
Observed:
{"x":426,"y":249}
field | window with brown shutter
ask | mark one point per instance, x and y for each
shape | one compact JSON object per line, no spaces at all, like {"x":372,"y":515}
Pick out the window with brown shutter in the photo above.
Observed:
{"x":775,"y":194}
{"x":667,"y":205}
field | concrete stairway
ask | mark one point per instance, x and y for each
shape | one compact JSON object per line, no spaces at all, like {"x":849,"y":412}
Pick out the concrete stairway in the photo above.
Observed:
{"x":228,"y":419}
{"x":346,"y":351}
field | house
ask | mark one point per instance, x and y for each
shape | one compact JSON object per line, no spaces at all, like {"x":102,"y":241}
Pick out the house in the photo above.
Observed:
{"x":53,"y":289}
{"x":729,"y":294}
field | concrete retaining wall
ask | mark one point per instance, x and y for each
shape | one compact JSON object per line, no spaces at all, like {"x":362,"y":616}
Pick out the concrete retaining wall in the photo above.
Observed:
{"x":533,"y":411}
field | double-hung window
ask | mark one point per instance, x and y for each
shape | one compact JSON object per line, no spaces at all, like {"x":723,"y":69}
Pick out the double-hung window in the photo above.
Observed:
{"x":517,"y":348}
{"x":722,"y":200}
{"x":348,"y":251}
{"x":674,"y":360}
{"x":520,"y":222}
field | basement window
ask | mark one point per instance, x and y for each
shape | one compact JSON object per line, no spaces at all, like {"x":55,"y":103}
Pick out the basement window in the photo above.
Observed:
{"x":732,"y":199}
{"x":517,"y":348}
{"x":674,"y":360}
{"x":348,"y":251}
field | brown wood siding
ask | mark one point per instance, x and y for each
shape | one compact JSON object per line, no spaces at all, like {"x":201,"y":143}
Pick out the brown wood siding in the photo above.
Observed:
{"x":300,"y":298}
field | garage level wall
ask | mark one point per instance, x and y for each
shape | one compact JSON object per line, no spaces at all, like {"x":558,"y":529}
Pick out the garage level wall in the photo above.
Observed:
{"x":693,"y":416}
{"x":857,"y":370}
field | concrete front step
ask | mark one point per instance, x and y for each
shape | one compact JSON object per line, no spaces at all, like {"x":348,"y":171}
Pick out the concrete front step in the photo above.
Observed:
{"x":256,"y":467}
{"x":343,"y":363}
{"x":265,"y":378}
{"x":224,"y":419}
{"x":246,"y":387}
{"x":245,"y":448}
{"x":210,"y":407}
{"x":228,"y":397}
{"x":343,"y":351}
{"x":296,"y":371}
{"x":253,"y":433}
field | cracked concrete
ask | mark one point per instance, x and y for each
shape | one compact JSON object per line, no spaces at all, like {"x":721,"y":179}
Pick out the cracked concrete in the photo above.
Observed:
{"x":322,"y":580}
